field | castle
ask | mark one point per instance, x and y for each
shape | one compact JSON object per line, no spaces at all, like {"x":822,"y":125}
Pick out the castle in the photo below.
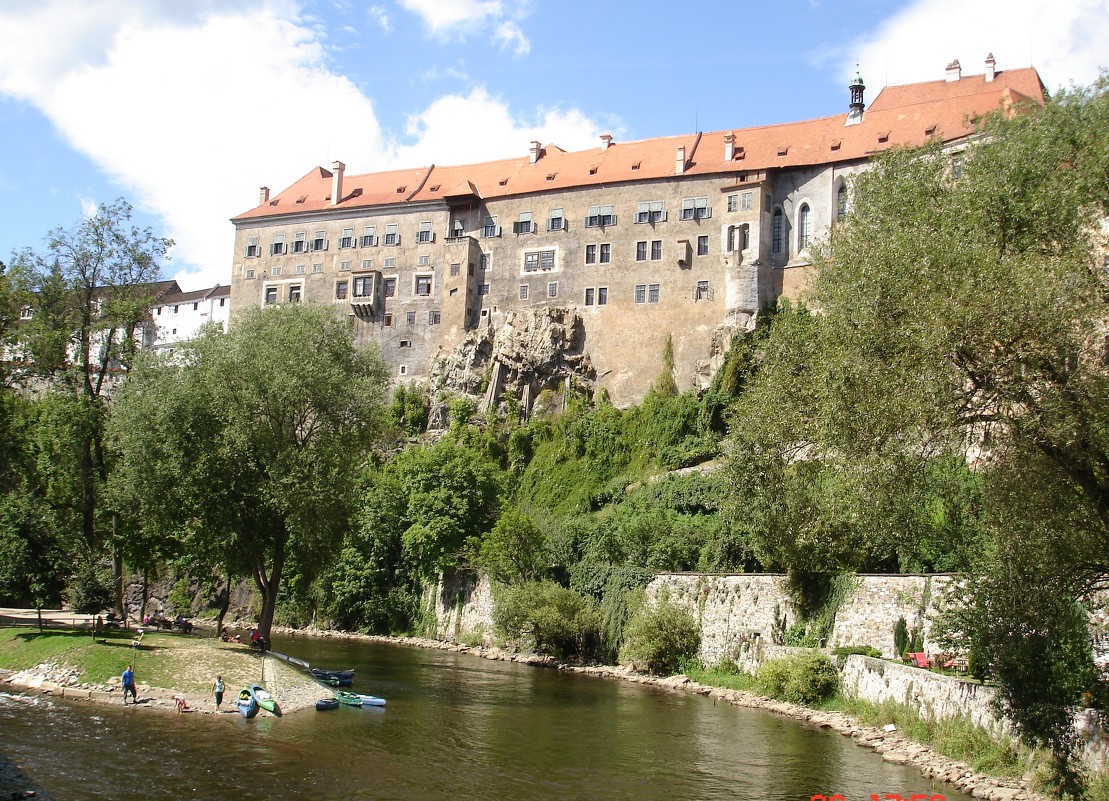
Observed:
{"x":560,"y":265}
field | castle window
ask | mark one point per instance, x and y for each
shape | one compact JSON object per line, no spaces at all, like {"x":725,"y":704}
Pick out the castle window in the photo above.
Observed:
{"x":340,"y":290}
{"x":590,"y":296}
{"x":423,"y":261}
{"x":523,"y":291}
{"x":640,"y":293}
{"x":776,"y":231}
{"x":299,"y":269}
{"x":391,"y":235}
{"x":841,"y":201}
{"x":552,"y":289}
{"x":425,"y":234}
{"x":733,"y":202}
{"x":556,"y":222}
{"x":367,"y":264}
{"x":590,"y":254}
{"x":271,"y":295}
{"x":275,"y":270}
{"x":294,"y":293}
{"x":363,"y":286}
{"x":702,"y":246}
{"x":389,"y":288}
{"x":696,"y":208}
{"x":317,"y":268}
{"x":300,"y":242}
{"x":543,"y":260}
{"x":745,"y":201}
{"x":606,"y":254}
{"x":410,"y":317}
{"x":483,"y":289}
{"x":523,"y":225}
{"x":346,"y":240}
{"x":490,"y":228}
{"x":433,"y":317}
{"x":652,"y":293}
{"x":252,"y":250}
{"x":656,"y":249}
{"x":650,"y":211}
{"x":278,"y":246}
{"x":423,"y":285}
{"x":368,"y":236}
{"x":485,"y":261}
{"x":803,"y":227}
{"x":249,"y":274}
{"x":641,"y":251}
{"x":600,"y":216}
{"x":602,"y":296}
{"x":456,"y":268}
{"x":390,"y":262}
{"x":319,"y":240}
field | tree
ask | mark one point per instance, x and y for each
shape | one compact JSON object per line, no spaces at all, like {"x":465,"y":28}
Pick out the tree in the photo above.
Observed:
{"x":961,"y":317}
{"x":514,"y":550}
{"x":275,"y":418}
{"x":91,"y":293}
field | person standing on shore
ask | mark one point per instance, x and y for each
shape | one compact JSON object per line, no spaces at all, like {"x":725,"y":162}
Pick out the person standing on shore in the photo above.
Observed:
{"x":217,"y":688}
{"x":129,"y":685}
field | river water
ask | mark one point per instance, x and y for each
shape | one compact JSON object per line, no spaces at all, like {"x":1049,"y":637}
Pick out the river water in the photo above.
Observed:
{"x":455,"y":727}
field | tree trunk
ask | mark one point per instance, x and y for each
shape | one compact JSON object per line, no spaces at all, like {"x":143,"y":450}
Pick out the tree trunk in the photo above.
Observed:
{"x":145,"y":592}
{"x":117,"y":570}
{"x":224,"y":604}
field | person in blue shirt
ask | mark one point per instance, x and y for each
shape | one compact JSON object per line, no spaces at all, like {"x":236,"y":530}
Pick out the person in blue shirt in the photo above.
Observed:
{"x":129,"y":685}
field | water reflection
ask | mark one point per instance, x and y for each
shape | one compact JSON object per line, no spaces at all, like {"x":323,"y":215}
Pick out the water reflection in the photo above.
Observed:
{"x":456,"y":727}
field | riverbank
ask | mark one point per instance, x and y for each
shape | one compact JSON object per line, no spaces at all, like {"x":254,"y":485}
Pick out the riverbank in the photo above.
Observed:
{"x":891,"y":745}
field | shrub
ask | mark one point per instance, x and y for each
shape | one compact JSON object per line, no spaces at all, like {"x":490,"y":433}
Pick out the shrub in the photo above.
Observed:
{"x":865,"y":650}
{"x":561,"y":622}
{"x":89,"y":591}
{"x":900,"y":636}
{"x":660,"y":636}
{"x":807,"y":678}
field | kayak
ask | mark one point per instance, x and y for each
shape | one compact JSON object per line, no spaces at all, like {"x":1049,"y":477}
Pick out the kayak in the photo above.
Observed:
{"x":332,"y":681}
{"x":338,"y":674}
{"x":265,"y":699}
{"x":324,"y":704}
{"x":350,"y":699}
{"x":370,"y":700}
{"x":247,"y":703}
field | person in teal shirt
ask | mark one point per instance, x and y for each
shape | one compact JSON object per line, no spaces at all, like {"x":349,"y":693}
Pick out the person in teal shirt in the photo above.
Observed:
{"x":129,"y":685}
{"x":217,"y":688}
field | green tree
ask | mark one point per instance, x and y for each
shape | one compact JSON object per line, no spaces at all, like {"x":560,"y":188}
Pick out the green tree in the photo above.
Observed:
{"x":961,"y":316}
{"x":91,"y":291}
{"x":514,"y":550}
{"x":276,"y":417}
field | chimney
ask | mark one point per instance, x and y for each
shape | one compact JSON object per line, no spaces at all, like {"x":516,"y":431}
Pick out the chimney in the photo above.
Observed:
{"x":954,"y":71}
{"x":263,"y":195}
{"x":729,"y":146}
{"x":990,"y":68}
{"x":337,"y":182}
{"x":606,"y":140}
{"x":679,"y":161}
{"x":533,"y":152}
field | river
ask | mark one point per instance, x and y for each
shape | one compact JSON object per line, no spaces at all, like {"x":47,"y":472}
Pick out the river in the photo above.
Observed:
{"x":455,"y":727}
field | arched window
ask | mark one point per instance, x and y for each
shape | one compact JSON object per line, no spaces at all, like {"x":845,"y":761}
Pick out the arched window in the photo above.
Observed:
{"x":803,"y":227}
{"x":841,"y":202}
{"x":776,"y":231}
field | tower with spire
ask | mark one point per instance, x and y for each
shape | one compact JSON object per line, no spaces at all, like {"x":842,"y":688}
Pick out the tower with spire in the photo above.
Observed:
{"x":857,"y":87}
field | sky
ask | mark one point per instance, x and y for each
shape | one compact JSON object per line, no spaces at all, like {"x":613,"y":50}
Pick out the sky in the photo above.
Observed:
{"x":186,"y":107}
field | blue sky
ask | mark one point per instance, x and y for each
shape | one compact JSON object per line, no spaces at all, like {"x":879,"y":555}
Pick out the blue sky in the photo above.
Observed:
{"x":186,"y":108}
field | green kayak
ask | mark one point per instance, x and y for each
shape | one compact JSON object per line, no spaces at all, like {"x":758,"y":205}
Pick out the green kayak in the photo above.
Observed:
{"x":350,"y":699}
{"x":265,"y":700}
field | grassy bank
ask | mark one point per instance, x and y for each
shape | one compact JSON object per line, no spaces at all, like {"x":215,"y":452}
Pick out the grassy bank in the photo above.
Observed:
{"x":166,"y":659}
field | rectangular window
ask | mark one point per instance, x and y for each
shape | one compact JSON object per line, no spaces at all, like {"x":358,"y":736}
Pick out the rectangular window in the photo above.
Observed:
{"x":556,"y":222}
{"x":523,"y":291}
{"x":485,"y":261}
{"x":249,"y":274}
{"x":602,"y":295}
{"x":390,"y":262}
{"x":538,"y":260}
{"x":733,"y":202}
{"x":703,"y":291}
{"x":652,"y":293}
{"x":363,"y":286}
{"x":650,"y":211}
{"x":275,"y":270}
{"x":410,"y":317}
{"x":600,"y":216}
{"x":300,"y":242}
{"x":406,"y":343}
{"x":252,"y":249}
{"x":523,"y":225}
{"x":387,"y":321}
{"x":590,"y":295}
{"x":656,"y":249}
{"x":294,"y":293}
{"x":641,"y":251}
{"x":369,"y":238}
{"x":391,"y":235}
{"x":367,"y":264}
{"x":456,"y":268}
{"x":278,"y":246}
{"x":640,"y":293}
{"x":299,"y":269}
{"x":552,"y":289}
{"x":319,"y":240}
{"x":423,"y":285}
{"x":696,"y":208}
{"x":590,"y":254}
{"x":390,"y":287}
{"x":341,"y":290}
{"x":317,"y":268}
{"x":490,"y":227}
{"x":433,"y":317}
{"x":606,"y":254}
{"x":344,"y":266}
{"x":483,"y":289}
{"x":346,"y":239}
{"x":702,"y":246}
{"x":271,"y":295}
{"x":423,"y":261}
{"x":745,"y":201}
{"x":458,"y":227}
{"x":425,"y":234}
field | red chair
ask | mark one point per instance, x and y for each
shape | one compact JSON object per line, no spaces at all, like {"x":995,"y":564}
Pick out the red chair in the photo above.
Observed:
{"x":920,"y":660}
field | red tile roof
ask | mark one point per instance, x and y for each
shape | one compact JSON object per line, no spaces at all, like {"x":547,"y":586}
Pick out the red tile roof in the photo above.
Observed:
{"x":899,"y":115}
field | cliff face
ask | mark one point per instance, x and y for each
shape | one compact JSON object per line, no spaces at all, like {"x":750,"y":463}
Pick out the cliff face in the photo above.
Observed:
{"x":533,"y":350}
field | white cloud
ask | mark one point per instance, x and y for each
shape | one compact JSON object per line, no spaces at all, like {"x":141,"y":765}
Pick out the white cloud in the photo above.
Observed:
{"x":460,"y":19}
{"x":190,"y":107}
{"x":1064,"y":41}
{"x":440,"y":140}
{"x":378,"y":15}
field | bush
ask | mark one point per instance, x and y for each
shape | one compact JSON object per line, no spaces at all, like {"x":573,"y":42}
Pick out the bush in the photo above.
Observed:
{"x":561,"y":622}
{"x":660,"y":636}
{"x":900,"y":637}
{"x":89,"y":591}
{"x":865,"y":650}
{"x":806,"y":678}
